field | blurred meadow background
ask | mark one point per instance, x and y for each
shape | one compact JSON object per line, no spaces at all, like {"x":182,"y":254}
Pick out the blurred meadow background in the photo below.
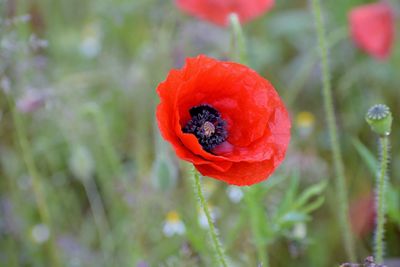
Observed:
{"x":86,"y":180}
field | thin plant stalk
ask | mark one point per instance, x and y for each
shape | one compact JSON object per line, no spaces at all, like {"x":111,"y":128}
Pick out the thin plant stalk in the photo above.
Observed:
{"x":104,"y":137}
{"x":38,"y":193}
{"x":112,"y":158}
{"x":381,"y":186}
{"x":218,"y":250}
{"x":99,"y":216}
{"x":96,"y":206}
{"x":341,"y":188}
{"x":238,"y":40}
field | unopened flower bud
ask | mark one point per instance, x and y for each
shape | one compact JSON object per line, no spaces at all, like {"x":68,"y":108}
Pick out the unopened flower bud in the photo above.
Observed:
{"x":380,"y":119}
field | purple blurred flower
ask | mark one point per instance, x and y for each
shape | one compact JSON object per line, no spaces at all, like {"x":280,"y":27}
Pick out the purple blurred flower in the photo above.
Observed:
{"x":142,"y":264}
{"x":31,"y":101}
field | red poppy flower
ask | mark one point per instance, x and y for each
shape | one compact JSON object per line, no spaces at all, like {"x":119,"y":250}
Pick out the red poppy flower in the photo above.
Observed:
{"x":217,"y":11}
{"x":225,"y":119}
{"x":372,"y":28}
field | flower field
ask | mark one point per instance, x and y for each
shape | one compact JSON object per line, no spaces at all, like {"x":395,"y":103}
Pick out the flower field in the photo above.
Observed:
{"x":180,"y":133}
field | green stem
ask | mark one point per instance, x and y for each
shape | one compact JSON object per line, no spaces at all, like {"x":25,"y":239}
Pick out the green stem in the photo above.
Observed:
{"x":99,"y":216}
{"x":341,"y":187}
{"x":240,"y":53}
{"x":381,"y":186}
{"x":37,"y":189}
{"x":104,"y":137}
{"x":115,"y":166}
{"x":219,"y":253}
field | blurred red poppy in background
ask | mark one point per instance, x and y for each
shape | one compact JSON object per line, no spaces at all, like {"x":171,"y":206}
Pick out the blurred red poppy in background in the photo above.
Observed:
{"x":372,"y":28}
{"x":362,"y":215}
{"x":217,"y":11}
{"x":225,"y":119}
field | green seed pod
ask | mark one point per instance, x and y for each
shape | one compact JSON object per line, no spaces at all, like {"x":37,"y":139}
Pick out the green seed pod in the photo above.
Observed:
{"x":380,"y":119}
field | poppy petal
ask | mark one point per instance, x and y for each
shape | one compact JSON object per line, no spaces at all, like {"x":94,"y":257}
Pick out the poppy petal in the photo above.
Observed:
{"x":217,"y":11}
{"x":372,"y":28}
{"x":257,"y":122}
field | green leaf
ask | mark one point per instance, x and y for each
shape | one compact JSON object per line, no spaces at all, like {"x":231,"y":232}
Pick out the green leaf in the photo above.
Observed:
{"x":293,"y":217}
{"x":366,"y":155}
{"x":393,"y":204}
{"x":289,"y":197}
{"x":313,"y":205}
{"x":164,"y":174}
{"x":309,"y":193}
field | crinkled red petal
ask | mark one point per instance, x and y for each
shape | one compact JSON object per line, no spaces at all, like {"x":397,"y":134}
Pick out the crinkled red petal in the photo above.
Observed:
{"x":258,"y":124}
{"x":372,"y":28}
{"x":241,"y":173}
{"x":217,"y":11}
{"x":167,"y":123}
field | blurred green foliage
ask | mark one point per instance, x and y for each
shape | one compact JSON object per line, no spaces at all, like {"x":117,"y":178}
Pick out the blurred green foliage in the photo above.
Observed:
{"x":80,"y":78}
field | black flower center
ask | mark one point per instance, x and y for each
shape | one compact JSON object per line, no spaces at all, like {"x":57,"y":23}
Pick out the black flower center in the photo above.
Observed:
{"x":207,"y":125}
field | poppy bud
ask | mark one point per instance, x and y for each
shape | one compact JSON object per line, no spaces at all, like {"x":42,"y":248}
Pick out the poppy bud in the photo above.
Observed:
{"x":380,"y":119}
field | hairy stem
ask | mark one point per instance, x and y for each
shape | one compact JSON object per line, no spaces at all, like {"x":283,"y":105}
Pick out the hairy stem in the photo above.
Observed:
{"x":341,"y":188}
{"x":381,"y":186}
{"x":38,"y":193}
{"x":218,"y":250}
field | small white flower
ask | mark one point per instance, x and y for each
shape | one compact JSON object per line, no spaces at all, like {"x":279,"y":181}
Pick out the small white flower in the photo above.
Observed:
{"x":214,"y":214}
{"x":90,"y":45}
{"x":173,"y":225}
{"x":235,"y":194}
{"x":299,"y":231}
{"x":40,"y":233}
{"x":305,"y":123}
